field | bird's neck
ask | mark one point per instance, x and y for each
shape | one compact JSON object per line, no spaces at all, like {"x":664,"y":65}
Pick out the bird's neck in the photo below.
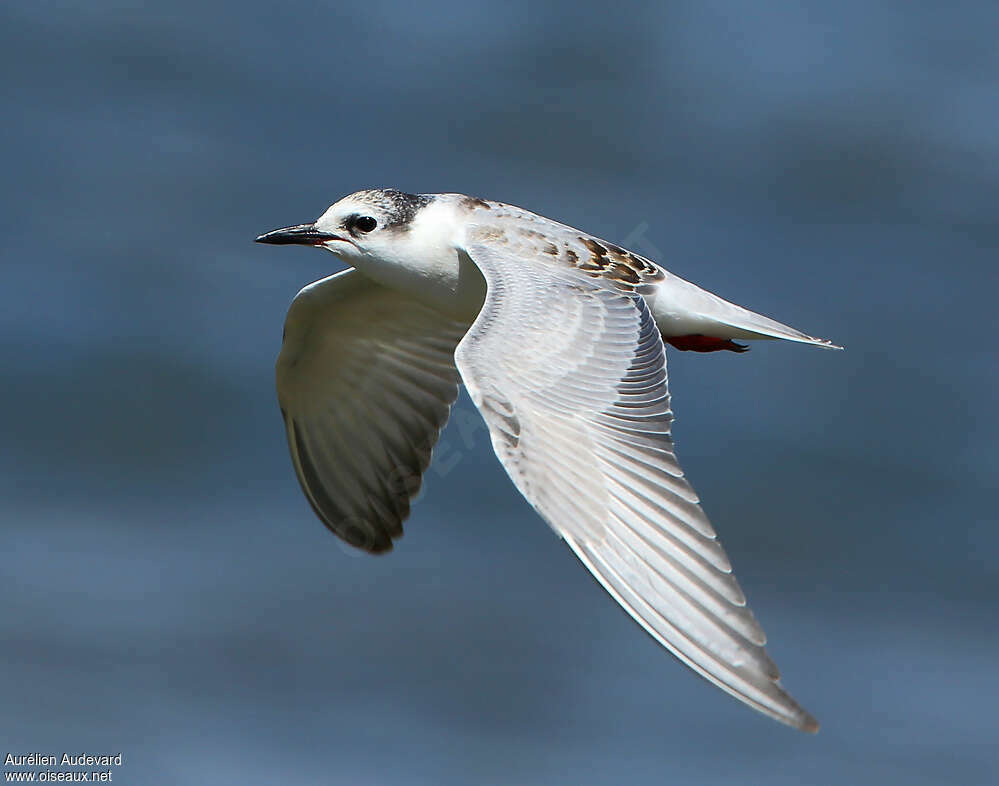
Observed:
{"x":425,"y":261}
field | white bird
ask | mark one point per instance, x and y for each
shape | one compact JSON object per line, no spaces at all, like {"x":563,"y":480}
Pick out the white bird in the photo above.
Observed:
{"x":558,"y":338}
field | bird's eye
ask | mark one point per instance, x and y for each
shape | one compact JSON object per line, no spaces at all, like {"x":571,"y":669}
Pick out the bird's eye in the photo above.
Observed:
{"x":364,"y":223}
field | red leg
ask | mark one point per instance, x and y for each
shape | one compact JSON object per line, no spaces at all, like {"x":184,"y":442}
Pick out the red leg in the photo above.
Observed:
{"x":699,"y":343}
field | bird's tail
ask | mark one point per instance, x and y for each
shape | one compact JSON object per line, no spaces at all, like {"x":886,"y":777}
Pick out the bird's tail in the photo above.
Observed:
{"x":681,"y":308}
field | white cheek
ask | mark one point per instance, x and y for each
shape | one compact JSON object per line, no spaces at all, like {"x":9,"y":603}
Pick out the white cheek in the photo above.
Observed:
{"x":341,"y":248}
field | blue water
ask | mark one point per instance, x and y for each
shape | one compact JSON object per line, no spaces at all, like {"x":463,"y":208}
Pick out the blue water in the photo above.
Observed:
{"x":167,"y":592}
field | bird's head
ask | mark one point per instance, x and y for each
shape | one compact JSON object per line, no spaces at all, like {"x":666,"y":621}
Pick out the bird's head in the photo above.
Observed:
{"x":363,"y":224}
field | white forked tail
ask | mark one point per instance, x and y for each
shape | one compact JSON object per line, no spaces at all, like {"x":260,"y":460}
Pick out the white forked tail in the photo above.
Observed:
{"x":683,"y":309}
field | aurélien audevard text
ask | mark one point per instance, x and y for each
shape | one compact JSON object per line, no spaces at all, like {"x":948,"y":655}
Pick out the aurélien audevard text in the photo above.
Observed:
{"x":65,"y":760}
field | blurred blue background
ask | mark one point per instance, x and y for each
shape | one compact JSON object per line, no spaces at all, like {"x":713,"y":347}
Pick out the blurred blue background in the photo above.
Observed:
{"x":167,"y":592}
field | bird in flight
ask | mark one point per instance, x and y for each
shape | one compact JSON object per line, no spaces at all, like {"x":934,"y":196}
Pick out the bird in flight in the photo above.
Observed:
{"x":558,"y":336}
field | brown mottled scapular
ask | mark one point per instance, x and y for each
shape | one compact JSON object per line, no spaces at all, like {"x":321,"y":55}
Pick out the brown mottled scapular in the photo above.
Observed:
{"x":565,"y":245}
{"x":617,"y":263}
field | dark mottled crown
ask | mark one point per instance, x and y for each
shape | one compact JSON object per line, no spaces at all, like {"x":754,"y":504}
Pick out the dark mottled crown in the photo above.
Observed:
{"x":398,"y":206}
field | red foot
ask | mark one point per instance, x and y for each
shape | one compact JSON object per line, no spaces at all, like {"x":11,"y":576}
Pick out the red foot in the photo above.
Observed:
{"x":699,"y":343}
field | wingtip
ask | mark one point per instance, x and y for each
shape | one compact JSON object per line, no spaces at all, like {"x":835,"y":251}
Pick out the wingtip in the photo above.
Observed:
{"x":785,"y":710}
{"x":808,"y":724}
{"x":796,"y":716}
{"x":788,"y":711}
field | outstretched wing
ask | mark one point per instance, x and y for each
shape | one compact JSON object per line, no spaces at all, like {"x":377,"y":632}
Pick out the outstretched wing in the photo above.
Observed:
{"x":568,"y":369}
{"x":366,"y":380}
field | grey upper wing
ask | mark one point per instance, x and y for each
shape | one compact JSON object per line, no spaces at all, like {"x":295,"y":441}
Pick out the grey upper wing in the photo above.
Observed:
{"x":366,"y":380}
{"x":568,"y":370}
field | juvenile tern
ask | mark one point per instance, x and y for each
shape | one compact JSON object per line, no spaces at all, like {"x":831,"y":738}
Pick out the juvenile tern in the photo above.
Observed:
{"x":558,"y":337}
